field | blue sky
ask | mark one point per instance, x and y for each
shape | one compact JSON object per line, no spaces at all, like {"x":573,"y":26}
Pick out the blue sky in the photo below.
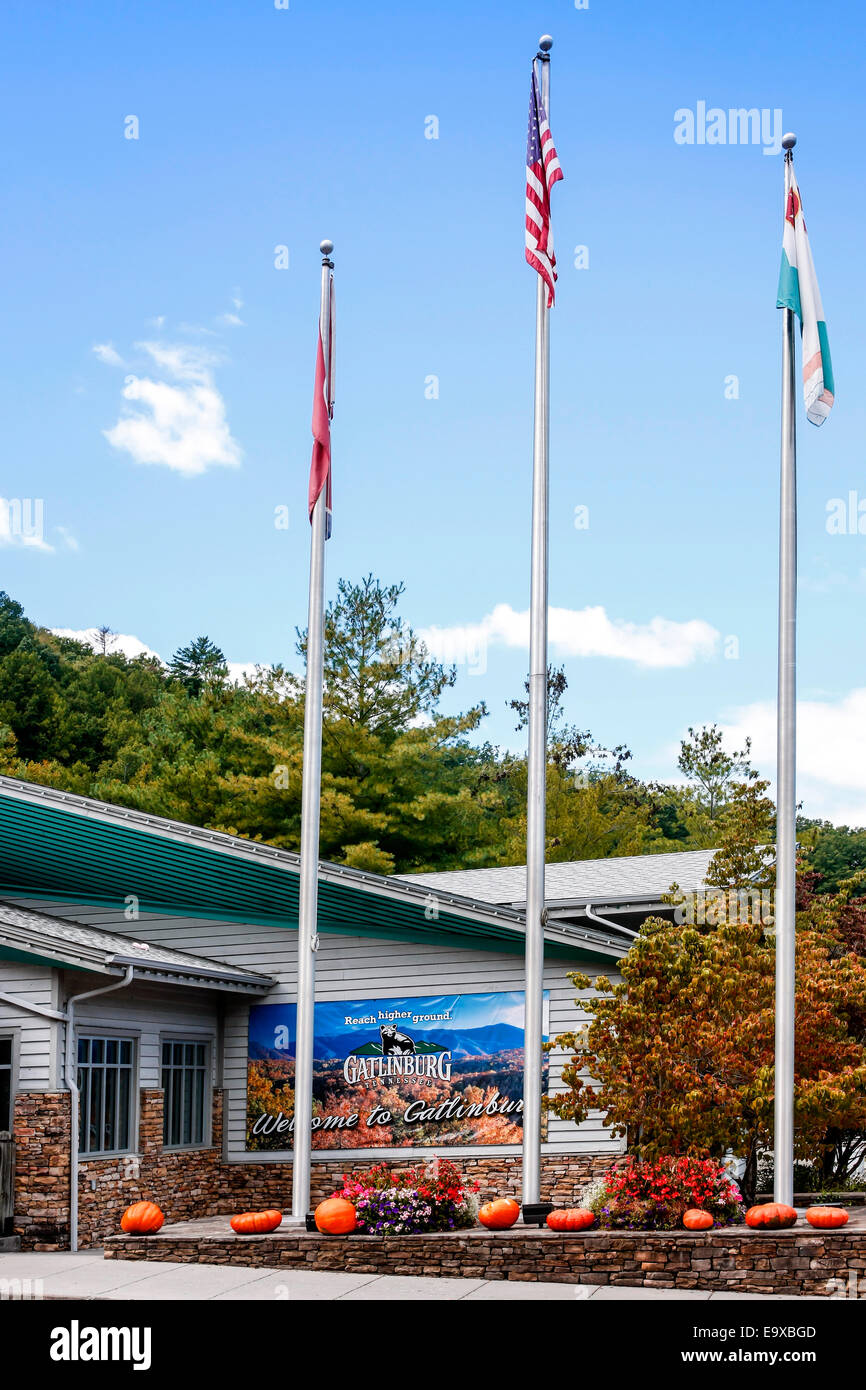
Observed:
{"x":460,"y":1011}
{"x":151,"y":261}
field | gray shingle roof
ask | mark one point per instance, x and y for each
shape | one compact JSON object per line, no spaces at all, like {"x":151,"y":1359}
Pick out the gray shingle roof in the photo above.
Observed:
{"x":627,"y":878}
{"x":110,"y":952}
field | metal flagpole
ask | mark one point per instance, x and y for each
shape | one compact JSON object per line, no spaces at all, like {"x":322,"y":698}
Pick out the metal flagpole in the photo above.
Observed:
{"x":786,"y":745}
{"x":537,"y":749}
{"x":311,"y":794}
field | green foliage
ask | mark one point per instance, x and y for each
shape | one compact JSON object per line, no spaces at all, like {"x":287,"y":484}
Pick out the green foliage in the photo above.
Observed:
{"x":836,"y":853}
{"x":680,"y":1052}
{"x":199,"y":665}
{"x":404,"y":786}
{"x":712,"y":771}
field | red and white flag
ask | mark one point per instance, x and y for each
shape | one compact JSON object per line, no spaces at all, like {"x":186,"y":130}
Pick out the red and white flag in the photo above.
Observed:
{"x":323,"y":413}
{"x":542,"y":172}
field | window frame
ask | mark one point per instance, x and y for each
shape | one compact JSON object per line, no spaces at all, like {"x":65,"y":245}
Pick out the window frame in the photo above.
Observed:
{"x":10,"y":1035}
{"x":118,"y":1035}
{"x":184,"y":1037}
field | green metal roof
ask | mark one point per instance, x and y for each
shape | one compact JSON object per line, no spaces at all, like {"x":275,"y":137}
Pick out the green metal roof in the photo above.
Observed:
{"x":55,"y":845}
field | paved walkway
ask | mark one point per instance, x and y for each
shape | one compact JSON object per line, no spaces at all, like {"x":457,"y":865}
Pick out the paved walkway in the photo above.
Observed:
{"x":86,"y":1275}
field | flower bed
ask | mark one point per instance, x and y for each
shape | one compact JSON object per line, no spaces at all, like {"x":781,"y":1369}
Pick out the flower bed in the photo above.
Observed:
{"x":430,"y":1197}
{"x":654,"y":1196}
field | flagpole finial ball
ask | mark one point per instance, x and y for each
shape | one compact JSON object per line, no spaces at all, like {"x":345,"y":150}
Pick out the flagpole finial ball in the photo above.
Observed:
{"x":545,"y":43}
{"x":789,"y":141}
{"x":326,"y":247}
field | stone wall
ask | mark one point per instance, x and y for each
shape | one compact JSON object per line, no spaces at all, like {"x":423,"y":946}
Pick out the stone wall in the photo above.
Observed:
{"x":189,"y":1183}
{"x":562,"y":1176}
{"x":793,"y":1262}
{"x":40,"y":1128}
{"x":184,"y":1182}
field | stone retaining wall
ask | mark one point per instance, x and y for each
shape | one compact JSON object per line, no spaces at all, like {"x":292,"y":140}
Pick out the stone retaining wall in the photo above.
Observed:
{"x":190,"y":1183}
{"x":790,"y":1262}
{"x":270,"y":1185}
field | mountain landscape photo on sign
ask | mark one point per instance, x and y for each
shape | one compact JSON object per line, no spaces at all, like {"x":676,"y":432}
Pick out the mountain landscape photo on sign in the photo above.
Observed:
{"x":401,"y":1073}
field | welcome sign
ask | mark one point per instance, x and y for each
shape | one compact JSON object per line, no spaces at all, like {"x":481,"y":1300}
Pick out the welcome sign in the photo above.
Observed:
{"x":404,"y":1073}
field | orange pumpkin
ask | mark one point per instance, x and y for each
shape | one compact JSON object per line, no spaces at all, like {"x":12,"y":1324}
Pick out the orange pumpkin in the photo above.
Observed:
{"x":697,"y":1220}
{"x":141,"y":1219}
{"x":771,"y":1216}
{"x":827,"y":1218}
{"x":579,"y":1219}
{"x":256,"y":1223}
{"x":336,"y":1217}
{"x":500,"y":1214}
{"x":558,"y":1220}
{"x":571,"y":1219}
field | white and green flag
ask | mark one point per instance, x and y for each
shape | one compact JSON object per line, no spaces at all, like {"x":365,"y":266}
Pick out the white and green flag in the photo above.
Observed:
{"x":798,"y":290}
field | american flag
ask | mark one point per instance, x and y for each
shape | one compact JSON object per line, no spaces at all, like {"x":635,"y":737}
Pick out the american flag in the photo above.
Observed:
{"x":323,"y":411}
{"x":542,"y":172}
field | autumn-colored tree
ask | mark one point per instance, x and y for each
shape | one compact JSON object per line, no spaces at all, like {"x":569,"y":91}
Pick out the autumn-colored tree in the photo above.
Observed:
{"x":680,"y":1053}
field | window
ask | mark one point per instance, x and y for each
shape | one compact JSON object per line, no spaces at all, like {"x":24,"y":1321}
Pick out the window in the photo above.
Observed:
{"x":6,"y":1083}
{"x":184,"y":1081}
{"x":105,"y":1084}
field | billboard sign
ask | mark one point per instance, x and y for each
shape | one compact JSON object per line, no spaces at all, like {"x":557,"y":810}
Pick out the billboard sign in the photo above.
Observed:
{"x":403,"y":1073}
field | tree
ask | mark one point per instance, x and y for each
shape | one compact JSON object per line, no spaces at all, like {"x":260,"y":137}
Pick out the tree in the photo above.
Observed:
{"x":745,"y":853}
{"x":105,"y":639}
{"x":595,"y":807}
{"x":704,"y":761}
{"x":14,"y":626}
{"x":199,"y":665}
{"x":679,"y":1054}
{"x":837,"y":853}
{"x":378,"y":674}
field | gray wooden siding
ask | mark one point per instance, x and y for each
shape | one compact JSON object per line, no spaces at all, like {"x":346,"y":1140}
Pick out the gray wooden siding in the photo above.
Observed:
{"x":350,"y":967}
{"x":149,"y":1014}
{"x":34,"y":1054}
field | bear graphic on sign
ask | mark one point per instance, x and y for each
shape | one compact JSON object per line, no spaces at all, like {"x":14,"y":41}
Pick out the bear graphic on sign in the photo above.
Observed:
{"x":395,"y":1043}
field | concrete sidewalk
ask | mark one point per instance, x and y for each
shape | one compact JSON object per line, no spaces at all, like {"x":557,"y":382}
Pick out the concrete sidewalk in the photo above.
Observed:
{"x":86,"y":1275}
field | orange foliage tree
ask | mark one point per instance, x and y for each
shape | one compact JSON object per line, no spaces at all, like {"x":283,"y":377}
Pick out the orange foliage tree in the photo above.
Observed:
{"x":680,"y":1052}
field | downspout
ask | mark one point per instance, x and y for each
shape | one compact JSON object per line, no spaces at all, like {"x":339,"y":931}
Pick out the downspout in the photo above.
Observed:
{"x":613,"y":926}
{"x":70,"y":1075}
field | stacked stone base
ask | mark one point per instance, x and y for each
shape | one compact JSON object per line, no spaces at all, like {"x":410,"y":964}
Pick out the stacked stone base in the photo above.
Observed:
{"x":793,"y":1262}
{"x":270,"y":1184}
{"x":191,"y":1183}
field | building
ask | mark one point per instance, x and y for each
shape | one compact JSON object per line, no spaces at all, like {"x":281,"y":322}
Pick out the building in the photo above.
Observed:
{"x":147,"y":978}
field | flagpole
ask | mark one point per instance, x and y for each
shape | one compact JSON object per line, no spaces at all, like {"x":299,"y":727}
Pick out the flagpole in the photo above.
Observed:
{"x":786,"y":799}
{"x":311,"y":794}
{"x":537,"y":741}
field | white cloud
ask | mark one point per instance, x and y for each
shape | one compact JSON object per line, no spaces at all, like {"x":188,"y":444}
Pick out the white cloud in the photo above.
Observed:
{"x":239,"y":670}
{"x":233,"y":320}
{"x":831,"y":752}
{"x":132,"y":647}
{"x":67,"y":537}
{"x":586,"y":632}
{"x":182,"y":424}
{"x":118,"y":641}
{"x":107,"y":353}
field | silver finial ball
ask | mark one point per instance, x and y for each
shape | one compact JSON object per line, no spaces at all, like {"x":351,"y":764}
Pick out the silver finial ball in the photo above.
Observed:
{"x":326,"y":247}
{"x":789,"y":141}
{"x":545,"y":43}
